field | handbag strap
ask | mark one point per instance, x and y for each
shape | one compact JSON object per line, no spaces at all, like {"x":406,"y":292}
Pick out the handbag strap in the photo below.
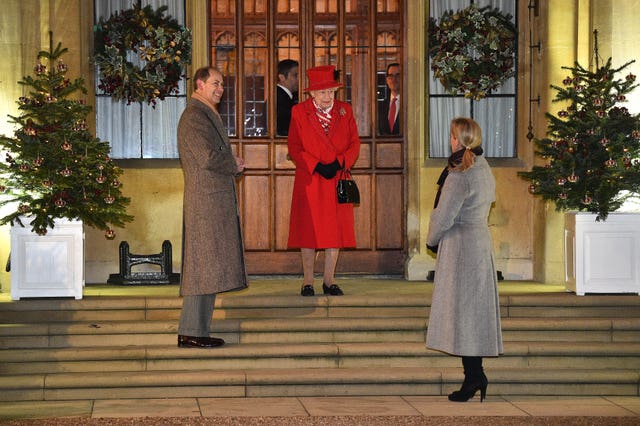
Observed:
{"x":345,"y":173}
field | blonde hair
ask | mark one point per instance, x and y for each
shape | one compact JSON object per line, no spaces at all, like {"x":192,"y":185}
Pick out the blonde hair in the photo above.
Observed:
{"x":469,"y":134}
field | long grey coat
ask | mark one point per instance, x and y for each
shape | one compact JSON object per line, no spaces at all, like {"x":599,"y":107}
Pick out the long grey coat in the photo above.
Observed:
{"x":465,"y":312}
{"x":212,"y":249}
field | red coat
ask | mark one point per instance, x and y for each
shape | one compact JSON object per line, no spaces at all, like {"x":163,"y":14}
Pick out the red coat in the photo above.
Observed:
{"x":317,"y":220}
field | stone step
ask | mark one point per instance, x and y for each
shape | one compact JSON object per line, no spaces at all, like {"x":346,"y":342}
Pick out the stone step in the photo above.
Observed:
{"x":311,"y":382}
{"x":547,"y":305}
{"x":125,"y":347}
{"x":523,"y":355}
{"x":310,"y":330}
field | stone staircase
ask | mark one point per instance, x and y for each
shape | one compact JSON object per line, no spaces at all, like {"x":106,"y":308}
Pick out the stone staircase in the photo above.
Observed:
{"x":125,"y":347}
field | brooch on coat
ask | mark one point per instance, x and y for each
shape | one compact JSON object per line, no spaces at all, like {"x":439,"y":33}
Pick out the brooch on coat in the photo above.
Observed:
{"x":342,"y":112}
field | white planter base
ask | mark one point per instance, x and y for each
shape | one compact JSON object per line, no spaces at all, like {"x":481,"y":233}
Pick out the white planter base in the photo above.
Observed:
{"x":51,"y":265}
{"x":602,"y":257}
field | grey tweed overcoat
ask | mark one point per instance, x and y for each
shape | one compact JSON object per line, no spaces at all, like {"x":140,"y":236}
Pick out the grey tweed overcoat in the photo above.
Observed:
{"x":465,"y":313}
{"x":212,"y":249}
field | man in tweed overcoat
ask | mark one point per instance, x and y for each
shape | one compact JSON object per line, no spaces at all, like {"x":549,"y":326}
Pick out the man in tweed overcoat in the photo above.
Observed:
{"x":212,"y":249}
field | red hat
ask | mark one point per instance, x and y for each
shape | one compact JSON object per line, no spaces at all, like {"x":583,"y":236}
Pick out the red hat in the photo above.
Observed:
{"x":322,"y":77}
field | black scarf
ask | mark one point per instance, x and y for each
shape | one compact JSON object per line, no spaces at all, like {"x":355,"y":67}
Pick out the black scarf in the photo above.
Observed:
{"x":453,"y":161}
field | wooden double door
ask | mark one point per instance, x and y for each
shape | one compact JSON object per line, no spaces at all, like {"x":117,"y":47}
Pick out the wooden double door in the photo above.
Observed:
{"x":361,"y":38}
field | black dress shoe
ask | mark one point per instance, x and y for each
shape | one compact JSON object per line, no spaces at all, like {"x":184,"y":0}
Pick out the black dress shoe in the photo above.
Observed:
{"x":199,"y":342}
{"x":332,"y":290}
{"x":307,"y":290}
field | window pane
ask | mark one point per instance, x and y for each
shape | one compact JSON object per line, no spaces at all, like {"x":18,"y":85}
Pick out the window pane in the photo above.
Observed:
{"x":255,"y":61}
{"x":357,"y":59}
{"x":496,"y":119}
{"x":388,"y":52}
{"x":287,"y":48}
{"x":223,"y":56}
{"x":325,"y":43}
{"x":119,"y":124}
{"x":288,"y":6}
{"x":441,"y":112}
{"x":159,"y":124}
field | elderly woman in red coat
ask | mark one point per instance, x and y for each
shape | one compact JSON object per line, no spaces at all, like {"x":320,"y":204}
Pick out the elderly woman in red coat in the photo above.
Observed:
{"x":323,"y":139}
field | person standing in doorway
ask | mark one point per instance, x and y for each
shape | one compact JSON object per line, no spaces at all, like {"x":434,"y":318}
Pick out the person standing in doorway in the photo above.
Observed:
{"x":389,"y":109}
{"x":212,"y":248}
{"x":465,"y":312}
{"x":323,"y":139}
{"x":287,"y":94}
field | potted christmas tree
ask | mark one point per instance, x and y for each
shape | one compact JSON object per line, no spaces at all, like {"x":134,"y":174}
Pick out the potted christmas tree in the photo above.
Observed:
{"x":55,"y":172}
{"x":591,"y":165}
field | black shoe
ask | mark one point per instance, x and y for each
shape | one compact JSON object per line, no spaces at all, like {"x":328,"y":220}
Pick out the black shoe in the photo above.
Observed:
{"x":307,"y":290}
{"x":199,"y":342}
{"x":332,"y":290}
{"x":469,"y":389}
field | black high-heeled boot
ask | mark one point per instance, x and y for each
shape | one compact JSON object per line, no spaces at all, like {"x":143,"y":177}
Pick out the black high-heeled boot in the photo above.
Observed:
{"x":474,"y":380}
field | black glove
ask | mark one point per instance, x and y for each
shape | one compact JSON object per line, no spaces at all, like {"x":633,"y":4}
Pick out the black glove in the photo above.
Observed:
{"x":327,"y":171}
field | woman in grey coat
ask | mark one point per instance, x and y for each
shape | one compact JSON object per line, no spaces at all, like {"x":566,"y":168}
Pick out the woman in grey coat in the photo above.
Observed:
{"x":465,"y":312}
{"x":212,"y":249}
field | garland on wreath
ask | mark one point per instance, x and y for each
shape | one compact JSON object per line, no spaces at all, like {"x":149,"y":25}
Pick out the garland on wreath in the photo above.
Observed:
{"x":472,"y":50}
{"x":141,"y":54}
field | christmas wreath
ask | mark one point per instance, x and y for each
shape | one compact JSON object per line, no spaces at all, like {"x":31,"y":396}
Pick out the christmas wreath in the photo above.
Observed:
{"x":141,"y":54}
{"x":472,"y":50}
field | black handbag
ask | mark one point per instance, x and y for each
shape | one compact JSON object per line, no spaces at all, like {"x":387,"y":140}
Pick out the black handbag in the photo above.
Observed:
{"x":347,"y":189}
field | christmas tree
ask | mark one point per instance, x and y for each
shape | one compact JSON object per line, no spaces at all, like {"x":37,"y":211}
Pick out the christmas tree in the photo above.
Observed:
{"x":592,"y":146}
{"x":54,"y":167}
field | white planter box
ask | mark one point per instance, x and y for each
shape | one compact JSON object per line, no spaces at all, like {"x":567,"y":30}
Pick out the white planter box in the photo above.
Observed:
{"x":51,"y":265}
{"x":602,"y":257}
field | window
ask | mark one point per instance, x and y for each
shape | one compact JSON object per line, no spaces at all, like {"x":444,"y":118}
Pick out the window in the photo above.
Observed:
{"x":138,"y":130}
{"x":495,"y":113}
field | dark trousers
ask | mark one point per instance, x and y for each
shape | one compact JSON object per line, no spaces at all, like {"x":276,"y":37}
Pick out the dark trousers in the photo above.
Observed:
{"x":195,"y":317}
